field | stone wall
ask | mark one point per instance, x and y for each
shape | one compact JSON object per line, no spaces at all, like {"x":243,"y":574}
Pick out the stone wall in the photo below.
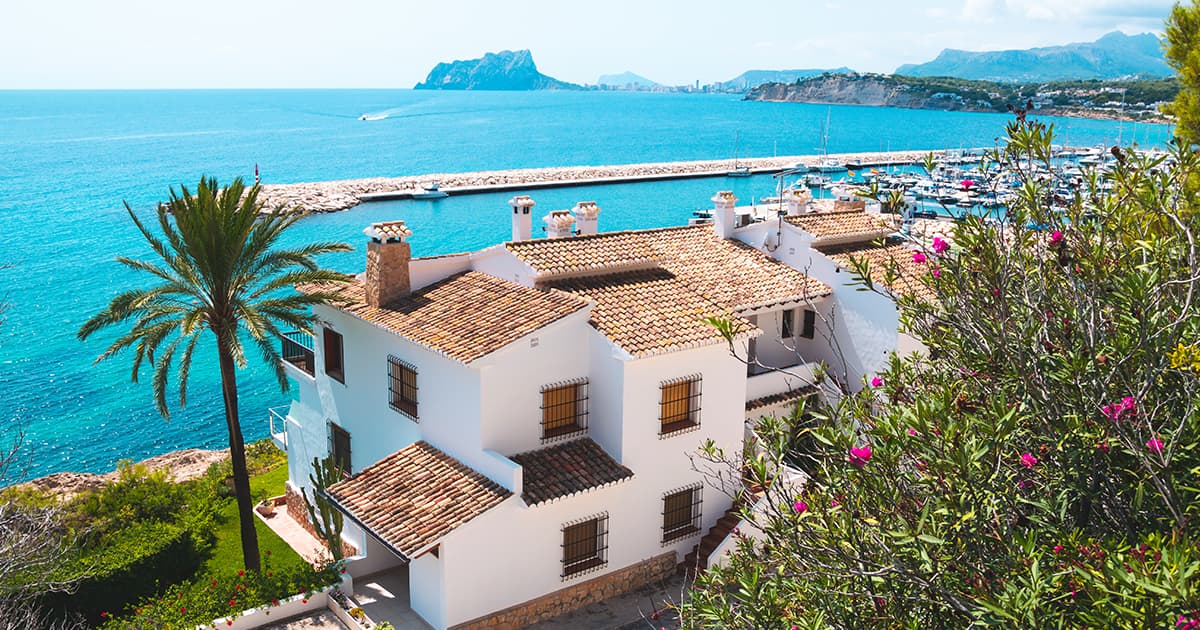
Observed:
{"x":856,"y":204}
{"x":299,"y":513}
{"x":577,"y":595}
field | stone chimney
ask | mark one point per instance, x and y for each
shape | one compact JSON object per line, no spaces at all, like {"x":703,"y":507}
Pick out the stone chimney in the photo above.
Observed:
{"x":522,"y":219}
{"x":587,"y":217}
{"x":559,"y":223}
{"x":388,"y":255}
{"x":723,"y":215}
{"x":796,"y":200}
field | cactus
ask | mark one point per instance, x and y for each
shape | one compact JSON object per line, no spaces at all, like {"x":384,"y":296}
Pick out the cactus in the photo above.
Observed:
{"x":326,"y":519}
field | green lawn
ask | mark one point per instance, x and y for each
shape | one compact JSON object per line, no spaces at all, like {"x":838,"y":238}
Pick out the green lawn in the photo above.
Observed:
{"x":227,"y":553}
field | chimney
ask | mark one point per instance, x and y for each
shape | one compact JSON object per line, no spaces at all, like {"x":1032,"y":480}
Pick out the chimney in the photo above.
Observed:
{"x":388,"y":255}
{"x":587,"y":216}
{"x":559,"y":223}
{"x":522,"y":220}
{"x":797,"y":200}
{"x":723,"y":219}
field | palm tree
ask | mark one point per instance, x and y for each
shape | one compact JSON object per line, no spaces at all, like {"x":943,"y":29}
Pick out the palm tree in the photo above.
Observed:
{"x":219,"y":271}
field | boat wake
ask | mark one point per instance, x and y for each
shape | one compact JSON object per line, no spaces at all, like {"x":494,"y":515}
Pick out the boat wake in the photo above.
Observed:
{"x":373,"y":117}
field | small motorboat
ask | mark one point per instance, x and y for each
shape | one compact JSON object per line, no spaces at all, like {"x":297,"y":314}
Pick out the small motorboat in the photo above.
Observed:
{"x":430,"y":191}
{"x":739,"y":171}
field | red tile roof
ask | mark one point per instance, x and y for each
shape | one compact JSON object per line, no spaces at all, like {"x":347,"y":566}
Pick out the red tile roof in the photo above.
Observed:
{"x":911,"y":279}
{"x":465,"y":316}
{"x":566,"y":469}
{"x":842,"y":226}
{"x":415,"y":496}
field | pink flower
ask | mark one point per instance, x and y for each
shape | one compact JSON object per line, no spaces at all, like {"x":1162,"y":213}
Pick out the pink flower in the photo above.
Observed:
{"x":940,"y":245}
{"x":834,"y":503}
{"x":1058,"y":549}
{"x":935,"y":272}
{"x":876,"y":382}
{"x":1155,"y":445}
{"x":860,"y":455}
{"x":1116,"y":411}
{"x":800,"y":507}
{"x":918,"y":257}
{"x":1102,"y":447}
{"x":1056,"y":237}
{"x":912,"y":431}
{"x":1028,"y":460}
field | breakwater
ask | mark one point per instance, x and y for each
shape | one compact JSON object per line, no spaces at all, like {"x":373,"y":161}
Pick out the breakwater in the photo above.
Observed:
{"x":333,"y":196}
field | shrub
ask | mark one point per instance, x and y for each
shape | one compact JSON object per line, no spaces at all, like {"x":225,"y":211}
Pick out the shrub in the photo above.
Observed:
{"x":1036,"y":468}
{"x":211,"y":597}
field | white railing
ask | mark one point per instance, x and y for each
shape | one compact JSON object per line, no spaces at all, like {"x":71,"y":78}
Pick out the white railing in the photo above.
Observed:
{"x":780,"y":381}
{"x":279,"y":433}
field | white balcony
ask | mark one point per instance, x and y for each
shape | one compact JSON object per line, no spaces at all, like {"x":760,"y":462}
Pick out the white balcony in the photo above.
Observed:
{"x":279,"y":423}
{"x":781,"y":381}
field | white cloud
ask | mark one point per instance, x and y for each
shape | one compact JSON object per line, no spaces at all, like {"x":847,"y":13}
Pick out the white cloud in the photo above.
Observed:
{"x":982,"y":11}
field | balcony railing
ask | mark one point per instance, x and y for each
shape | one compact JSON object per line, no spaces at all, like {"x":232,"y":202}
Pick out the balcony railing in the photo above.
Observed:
{"x":279,"y":422}
{"x":297,"y":349}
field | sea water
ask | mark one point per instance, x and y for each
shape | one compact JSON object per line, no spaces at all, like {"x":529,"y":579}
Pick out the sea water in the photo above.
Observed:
{"x":68,"y":161}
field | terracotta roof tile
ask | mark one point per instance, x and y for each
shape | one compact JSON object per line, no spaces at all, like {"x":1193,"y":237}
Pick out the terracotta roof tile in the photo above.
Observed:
{"x":415,"y":496}
{"x":566,"y":469}
{"x":465,"y":316}
{"x":779,"y":399}
{"x":651,"y":312}
{"x":912,"y":276}
{"x":608,"y":252}
{"x":842,"y":226}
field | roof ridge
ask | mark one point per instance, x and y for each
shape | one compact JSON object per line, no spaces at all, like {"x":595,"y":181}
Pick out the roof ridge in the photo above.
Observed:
{"x":600,"y":235}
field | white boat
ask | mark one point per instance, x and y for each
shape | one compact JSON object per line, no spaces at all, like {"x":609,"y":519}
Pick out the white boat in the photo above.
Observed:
{"x":738,"y":170}
{"x":831,"y":165}
{"x":430,"y":191}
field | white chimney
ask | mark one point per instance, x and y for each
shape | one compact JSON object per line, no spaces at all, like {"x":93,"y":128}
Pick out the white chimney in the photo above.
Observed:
{"x":587,"y":217}
{"x":797,"y":200}
{"x":522,"y":219}
{"x":559,"y":223}
{"x":723,"y":219}
{"x":388,"y":255}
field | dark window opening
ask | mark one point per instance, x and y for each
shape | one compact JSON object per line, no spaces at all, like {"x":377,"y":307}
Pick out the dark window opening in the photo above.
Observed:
{"x":810,"y":324}
{"x":681,"y":512}
{"x":334,"y":366}
{"x":564,"y":410}
{"x":788,"y":327}
{"x":340,"y":448}
{"x":679,"y":406}
{"x":585,"y":545}
{"x":402,"y":387}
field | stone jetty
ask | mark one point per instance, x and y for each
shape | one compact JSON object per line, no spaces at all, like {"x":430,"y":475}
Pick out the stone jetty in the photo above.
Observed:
{"x":340,"y":195}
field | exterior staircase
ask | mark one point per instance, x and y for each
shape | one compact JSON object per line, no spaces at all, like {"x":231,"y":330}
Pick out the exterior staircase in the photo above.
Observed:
{"x":697,"y":559}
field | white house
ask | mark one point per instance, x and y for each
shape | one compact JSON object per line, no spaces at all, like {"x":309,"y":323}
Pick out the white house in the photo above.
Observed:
{"x":516,"y":423}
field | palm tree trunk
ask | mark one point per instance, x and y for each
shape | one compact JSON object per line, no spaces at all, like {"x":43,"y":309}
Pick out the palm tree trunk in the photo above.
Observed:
{"x":237,"y":455}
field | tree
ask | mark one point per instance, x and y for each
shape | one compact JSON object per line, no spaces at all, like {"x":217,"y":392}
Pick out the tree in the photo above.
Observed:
{"x":220,"y":271}
{"x":1036,"y":467}
{"x":1183,"y":54}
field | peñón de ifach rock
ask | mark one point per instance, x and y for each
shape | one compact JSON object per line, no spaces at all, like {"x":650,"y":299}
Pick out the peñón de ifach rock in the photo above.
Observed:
{"x":505,"y":70}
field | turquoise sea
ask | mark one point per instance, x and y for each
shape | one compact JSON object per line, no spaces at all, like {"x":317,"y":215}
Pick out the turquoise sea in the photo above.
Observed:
{"x":68,"y":159}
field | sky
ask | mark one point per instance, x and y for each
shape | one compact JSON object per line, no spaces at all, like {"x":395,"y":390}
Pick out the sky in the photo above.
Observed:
{"x":160,"y":44}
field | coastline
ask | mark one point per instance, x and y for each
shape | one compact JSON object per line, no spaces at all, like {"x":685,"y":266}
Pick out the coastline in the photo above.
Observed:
{"x":181,"y":465}
{"x":338,"y":195}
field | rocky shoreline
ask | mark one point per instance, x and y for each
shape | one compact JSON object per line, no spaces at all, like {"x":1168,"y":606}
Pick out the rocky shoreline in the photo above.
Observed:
{"x":334,"y":196}
{"x":180,"y":465}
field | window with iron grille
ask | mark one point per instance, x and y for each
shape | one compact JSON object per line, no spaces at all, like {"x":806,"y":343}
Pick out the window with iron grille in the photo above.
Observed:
{"x":564,"y":410}
{"x":681,"y":512}
{"x":679,"y":405}
{"x":787,"y":328}
{"x":402,"y":387}
{"x":585,"y":545}
{"x":334,"y":365}
{"x":339,"y":448}
{"x":810,"y":324}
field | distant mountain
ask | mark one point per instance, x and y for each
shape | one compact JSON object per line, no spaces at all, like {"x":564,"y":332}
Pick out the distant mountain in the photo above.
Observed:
{"x":754,"y":78}
{"x":505,"y":70}
{"x":624,"y":79}
{"x":1113,"y":56}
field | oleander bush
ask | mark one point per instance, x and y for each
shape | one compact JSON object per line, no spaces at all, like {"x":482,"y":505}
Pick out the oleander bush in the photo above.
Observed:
{"x":1039,"y":465}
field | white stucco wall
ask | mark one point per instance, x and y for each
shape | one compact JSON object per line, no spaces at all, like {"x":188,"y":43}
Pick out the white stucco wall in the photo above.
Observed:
{"x":606,"y":392}
{"x":511,"y":381}
{"x":864,"y":323}
{"x":426,"y":588}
